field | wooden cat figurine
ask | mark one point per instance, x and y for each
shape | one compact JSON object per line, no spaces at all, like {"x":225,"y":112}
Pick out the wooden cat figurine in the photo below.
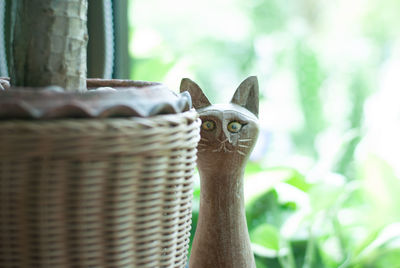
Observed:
{"x":228,"y":135}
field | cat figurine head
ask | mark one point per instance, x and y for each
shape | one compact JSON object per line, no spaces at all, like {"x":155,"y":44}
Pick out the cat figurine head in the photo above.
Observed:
{"x":228,"y":131}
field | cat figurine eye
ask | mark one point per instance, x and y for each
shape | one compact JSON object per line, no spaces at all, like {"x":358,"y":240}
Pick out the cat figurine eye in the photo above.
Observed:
{"x":234,"y":127}
{"x":208,"y":125}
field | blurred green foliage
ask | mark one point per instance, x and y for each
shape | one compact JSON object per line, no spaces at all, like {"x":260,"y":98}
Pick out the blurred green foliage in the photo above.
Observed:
{"x":322,"y":187}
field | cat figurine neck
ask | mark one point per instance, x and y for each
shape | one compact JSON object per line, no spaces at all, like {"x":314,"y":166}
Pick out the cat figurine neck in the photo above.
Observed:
{"x":228,"y":135}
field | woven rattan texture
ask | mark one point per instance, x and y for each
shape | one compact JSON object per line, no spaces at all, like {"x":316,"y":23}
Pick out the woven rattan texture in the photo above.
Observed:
{"x":97,"y":193}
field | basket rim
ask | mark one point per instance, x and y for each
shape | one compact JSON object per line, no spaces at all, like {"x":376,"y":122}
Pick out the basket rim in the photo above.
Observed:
{"x":112,"y":98}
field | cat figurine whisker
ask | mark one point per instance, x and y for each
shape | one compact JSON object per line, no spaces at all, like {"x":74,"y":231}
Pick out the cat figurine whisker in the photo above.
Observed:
{"x":228,"y":135}
{"x":240,"y":152}
{"x":222,"y":140}
{"x":243,"y":146}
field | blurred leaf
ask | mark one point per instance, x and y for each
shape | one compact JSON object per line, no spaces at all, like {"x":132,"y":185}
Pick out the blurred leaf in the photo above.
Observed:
{"x":366,"y":243}
{"x":262,"y":209}
{"x":260,"y":263}
{"x":195,"y":218}
{"x":309,"y":76}
{"x":263,"y":262}
{"x":266,"y":235}
{"x":260,"y":182}
{"x":196,"y":193}
{"x":269,"y":15}
{"x":382,"y":187}
{"x":323,"y":197}
{"x":359,"y":90}
{"x":381,"y":21}
{"x":380,"y":241}
{"x":299,"y":181}
{"x":383,"y":259}
{"x":153,"y":69}
{"x":305,"y":258}
{"x":252,"y":168}
{"x":266,"y":208}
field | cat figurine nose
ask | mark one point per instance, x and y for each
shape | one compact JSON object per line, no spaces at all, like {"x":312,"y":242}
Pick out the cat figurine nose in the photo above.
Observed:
{"x":227,"y":136}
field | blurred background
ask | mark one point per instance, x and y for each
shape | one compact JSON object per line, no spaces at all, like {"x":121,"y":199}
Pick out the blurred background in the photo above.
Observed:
{"x":323,"y":185}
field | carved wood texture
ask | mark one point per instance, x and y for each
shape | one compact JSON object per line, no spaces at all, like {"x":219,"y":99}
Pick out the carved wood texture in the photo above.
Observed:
{"x":228,"y":135}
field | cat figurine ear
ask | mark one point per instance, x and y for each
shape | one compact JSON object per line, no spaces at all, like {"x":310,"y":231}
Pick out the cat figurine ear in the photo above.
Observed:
{"x":246,"y":95}
{"x":198,"y":98}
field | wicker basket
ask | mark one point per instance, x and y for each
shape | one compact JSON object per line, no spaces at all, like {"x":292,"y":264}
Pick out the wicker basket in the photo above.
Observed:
{"x":97,"y":193}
